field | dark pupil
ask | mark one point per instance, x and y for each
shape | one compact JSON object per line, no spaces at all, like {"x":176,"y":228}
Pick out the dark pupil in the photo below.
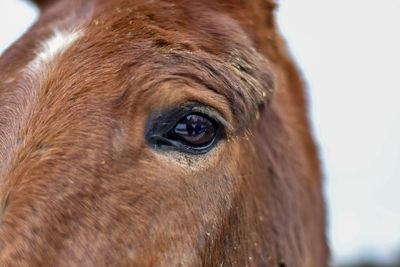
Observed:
{"x":195,"y":129}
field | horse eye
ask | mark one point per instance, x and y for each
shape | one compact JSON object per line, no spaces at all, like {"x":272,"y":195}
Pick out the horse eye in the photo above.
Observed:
{"x":185,"y":130}
{"x":195,"y":130}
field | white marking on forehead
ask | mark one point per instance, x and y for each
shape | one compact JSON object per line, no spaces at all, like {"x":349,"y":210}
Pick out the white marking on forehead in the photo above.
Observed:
{"x":17,"y":105}
{"x":54,"y":46}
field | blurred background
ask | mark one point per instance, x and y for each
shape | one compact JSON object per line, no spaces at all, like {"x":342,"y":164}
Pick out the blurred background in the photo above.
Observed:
{"x":348,"y":52}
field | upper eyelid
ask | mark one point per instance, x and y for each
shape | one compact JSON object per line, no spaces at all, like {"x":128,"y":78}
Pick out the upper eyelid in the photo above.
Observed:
{"x":164,"y":121}
{"x":213,"y":114}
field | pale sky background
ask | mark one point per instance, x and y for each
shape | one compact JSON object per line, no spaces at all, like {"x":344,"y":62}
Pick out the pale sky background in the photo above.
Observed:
{"x":348,"y":51}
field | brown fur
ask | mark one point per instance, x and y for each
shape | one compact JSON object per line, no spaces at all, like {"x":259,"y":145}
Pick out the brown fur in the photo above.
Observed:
{"x":80,"y":186}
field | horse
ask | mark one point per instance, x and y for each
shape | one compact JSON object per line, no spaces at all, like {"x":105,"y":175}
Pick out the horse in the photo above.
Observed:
{"x":157,"y":133}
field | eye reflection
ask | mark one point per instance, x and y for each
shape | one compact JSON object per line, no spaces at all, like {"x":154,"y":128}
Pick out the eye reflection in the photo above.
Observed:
{"x":195,"y":129}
